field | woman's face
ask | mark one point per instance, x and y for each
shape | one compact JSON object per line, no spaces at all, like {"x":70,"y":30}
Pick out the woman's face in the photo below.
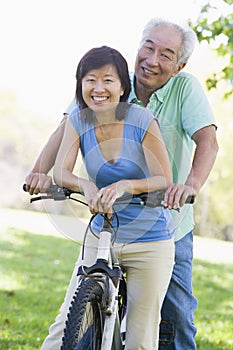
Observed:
{"x":101,"y":87}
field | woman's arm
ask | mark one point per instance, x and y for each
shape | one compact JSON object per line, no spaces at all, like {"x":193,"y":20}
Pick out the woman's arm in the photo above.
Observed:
{"x":66,"y":159}
{"x":64,"y":165}
{"x":157,"y":159}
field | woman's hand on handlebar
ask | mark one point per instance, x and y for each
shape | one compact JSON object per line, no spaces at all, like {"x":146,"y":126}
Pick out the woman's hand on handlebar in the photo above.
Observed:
{"x":101,"y":201}
{"x":90,"y":191}
{"x":37,"y":183}
{"x":109,"y":194}
{"x":176,"y":195}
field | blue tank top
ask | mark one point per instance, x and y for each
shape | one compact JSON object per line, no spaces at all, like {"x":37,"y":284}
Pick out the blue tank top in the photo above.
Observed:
{"x":137,"y":223}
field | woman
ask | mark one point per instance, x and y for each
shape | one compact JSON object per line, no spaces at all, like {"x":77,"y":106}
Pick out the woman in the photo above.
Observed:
{"x":123,"y":152}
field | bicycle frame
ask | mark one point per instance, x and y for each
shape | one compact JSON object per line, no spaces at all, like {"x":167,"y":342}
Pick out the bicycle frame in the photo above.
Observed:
{"x":107,"y":272}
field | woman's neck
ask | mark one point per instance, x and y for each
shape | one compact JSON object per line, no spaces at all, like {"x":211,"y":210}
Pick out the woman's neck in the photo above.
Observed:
{"x":105,"y":118}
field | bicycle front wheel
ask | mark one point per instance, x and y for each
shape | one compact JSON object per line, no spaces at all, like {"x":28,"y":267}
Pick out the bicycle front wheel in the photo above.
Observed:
{"x":84,"y":323}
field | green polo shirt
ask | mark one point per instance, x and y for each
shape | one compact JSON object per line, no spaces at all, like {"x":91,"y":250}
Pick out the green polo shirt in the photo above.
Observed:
{"x":181,"y":108}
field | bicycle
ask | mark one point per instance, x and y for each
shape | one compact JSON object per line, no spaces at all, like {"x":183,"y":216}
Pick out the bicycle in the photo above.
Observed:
{"x":96,"y":318}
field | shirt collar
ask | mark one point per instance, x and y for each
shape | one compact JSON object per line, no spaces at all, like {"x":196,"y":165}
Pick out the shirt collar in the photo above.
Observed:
{"x":159,"y":94}
{"x":132,"y":95}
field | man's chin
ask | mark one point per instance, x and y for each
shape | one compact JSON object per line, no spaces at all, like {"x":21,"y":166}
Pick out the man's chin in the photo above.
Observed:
{"x":146,"y":82}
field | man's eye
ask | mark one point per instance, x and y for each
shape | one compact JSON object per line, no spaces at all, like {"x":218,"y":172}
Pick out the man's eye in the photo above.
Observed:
{"x":165,"y":56}
{"x":148,"y":48}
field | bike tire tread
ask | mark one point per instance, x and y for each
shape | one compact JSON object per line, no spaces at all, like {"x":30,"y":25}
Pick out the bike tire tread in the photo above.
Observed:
{"x":88,"y":291}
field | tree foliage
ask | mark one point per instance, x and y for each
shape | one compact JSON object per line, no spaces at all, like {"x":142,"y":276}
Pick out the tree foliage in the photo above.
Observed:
{"x":216,"y":28}
{"x":214,"y":212}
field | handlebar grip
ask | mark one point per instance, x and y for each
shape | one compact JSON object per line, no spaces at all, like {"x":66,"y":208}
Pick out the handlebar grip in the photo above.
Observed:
{"x":154,"y":199}
{"x":57,"y":192}
{"x":52,"y":189}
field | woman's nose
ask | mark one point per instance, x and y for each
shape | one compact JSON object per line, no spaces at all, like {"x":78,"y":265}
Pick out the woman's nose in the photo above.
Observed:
{"x":99,"y":86}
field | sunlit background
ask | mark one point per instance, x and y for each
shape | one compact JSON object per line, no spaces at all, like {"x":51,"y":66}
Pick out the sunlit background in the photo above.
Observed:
{"x":42,"y":42}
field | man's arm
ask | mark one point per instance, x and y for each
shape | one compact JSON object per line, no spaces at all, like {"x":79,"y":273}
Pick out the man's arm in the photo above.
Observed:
{"x":38,"y":180}
{"x":203,"y":161}
{"x":204,"y":157}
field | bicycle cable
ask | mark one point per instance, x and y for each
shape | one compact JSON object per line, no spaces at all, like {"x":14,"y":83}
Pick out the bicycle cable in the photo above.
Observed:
{"x":89,"y":228}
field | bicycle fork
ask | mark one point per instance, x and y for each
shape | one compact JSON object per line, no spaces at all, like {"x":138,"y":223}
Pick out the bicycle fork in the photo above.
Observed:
{"x":107,"y":271}
{"x":111,"y":335}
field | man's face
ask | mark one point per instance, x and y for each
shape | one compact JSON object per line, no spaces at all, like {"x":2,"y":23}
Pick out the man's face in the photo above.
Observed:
{"x":157,"y":58}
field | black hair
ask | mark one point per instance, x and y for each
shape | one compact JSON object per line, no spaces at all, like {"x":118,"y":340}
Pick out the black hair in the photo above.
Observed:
{"x":96,"y":58}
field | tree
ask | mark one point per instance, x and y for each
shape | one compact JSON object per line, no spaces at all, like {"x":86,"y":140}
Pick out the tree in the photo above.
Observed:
{"x":214,"y":212}
{"x":216,"y":27}
{"x":213,"y":207}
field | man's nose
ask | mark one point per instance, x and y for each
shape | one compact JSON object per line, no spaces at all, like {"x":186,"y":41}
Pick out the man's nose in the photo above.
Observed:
{"x":153,"y":59}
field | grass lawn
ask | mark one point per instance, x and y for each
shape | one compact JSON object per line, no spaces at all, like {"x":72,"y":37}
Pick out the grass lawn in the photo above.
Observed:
{"x":34,"y":273}
{"x":213,"y":287}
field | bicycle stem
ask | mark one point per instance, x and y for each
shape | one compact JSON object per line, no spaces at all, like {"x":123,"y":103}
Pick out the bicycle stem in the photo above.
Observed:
{"x":104,"y":244}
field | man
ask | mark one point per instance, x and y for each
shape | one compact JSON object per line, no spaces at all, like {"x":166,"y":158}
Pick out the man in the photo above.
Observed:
{"x":177,"y":100}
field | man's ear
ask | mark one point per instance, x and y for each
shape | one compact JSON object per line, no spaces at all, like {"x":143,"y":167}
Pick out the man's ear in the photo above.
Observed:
{"x":179,"y":68}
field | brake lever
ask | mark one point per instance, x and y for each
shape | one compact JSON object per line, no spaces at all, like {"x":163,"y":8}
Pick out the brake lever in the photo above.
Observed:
{"x":58,"y":196}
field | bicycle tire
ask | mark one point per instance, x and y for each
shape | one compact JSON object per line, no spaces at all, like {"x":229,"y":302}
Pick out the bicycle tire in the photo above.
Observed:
{"x":84,"y":324}
{"x":122,"y":306}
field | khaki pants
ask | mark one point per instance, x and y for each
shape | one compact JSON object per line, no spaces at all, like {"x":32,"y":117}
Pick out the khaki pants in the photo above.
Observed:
{"x":148,"y":267}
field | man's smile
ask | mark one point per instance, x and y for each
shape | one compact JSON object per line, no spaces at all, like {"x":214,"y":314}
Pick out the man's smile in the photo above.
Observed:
{"x":148,"y":71}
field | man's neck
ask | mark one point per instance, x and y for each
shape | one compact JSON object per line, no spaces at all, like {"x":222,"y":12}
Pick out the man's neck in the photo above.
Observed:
{"x":143,"y":94}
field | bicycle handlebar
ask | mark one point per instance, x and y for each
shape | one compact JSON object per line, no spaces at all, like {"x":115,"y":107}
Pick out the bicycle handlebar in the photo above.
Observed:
{"x":54,"y":192}
{"x":151,"y":199}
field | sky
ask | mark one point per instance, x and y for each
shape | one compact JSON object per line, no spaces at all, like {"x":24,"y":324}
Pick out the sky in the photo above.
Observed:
{"x":43,"y":40}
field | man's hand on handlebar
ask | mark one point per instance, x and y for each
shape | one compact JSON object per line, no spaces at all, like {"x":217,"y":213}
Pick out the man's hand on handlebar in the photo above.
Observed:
{"x":176,"y":195}
{"x":37,"y":183}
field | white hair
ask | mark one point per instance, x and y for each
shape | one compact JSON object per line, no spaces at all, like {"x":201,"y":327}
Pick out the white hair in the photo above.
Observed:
{"x":189,"y":38}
